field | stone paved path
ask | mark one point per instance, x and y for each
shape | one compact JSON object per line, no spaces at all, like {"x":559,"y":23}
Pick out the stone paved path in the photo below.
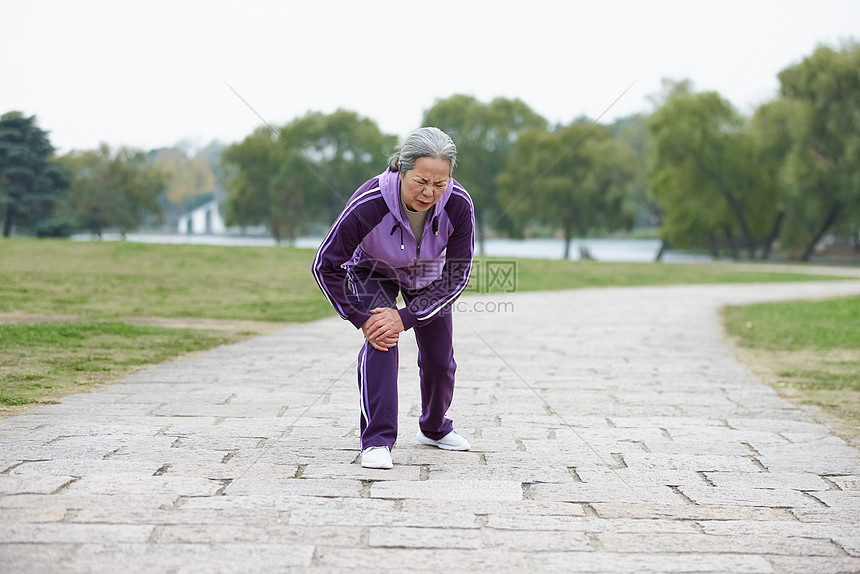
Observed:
{"x":644,"y":447}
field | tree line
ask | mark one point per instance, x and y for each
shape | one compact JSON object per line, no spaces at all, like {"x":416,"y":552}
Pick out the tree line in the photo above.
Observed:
{"x":709,"y":177}
{"x":94,"y":191}
{"x":788,"y":175}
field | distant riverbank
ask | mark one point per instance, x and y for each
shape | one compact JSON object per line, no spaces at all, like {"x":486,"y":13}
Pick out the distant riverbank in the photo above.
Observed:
{"x":621,"y":250}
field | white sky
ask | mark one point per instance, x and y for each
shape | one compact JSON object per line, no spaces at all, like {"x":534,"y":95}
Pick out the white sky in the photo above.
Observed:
{"x":148,"y":74}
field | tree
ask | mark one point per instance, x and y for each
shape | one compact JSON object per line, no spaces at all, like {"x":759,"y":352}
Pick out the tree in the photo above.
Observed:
{"x":485,"y":135}
{"x":633,"y":131}
{"x":212,"y":153}
{"x":702,"y":173}
{"x":113,"y":190}
{"x":824,"y":162}
{"x":187,"y":177}
{"x":575,"y":187}
{"x":30,"y":182}
{"x":304,"y":174}
{"x":773,"y":129}
{"x":255,"y":160}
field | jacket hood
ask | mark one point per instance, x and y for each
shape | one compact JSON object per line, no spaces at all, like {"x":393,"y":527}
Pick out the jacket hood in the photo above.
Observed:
{"x":389,"y":183}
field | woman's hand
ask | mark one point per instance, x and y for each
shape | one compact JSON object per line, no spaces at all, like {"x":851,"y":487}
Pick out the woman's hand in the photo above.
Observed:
{"x":383,"y":328}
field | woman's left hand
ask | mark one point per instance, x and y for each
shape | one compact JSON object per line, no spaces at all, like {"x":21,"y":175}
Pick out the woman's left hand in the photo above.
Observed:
{"x":384,"y":323}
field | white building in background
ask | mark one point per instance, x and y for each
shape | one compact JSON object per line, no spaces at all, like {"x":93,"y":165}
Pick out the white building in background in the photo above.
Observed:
{"x":205,"y":220}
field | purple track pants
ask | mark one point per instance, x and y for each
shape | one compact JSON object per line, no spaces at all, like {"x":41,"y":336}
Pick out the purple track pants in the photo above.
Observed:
{"x":377,"y":374}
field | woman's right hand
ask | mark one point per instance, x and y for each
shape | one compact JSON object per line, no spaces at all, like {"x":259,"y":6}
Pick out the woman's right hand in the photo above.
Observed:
{"x":377,"y":334}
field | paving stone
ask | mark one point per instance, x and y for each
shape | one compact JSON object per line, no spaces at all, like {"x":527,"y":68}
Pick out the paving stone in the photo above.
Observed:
{"x":551,"y":562}
{"x":408,"y":537}
{"x":692,"y":512}
{"x":275,"y":533}
{"x":587,"y":524}
{"x":284,"y":502}
{"x":180,"y":515}
{"x":821,"y":514}
{"x":691,"y":461}
{"x":193,"y":557}
{"x":671,"y":424}
{"x":534,"y":542}
{"x":848,"y":542}
{"x":817,"y":564}
{"x":840,"y":499}
{"x":818,"y":435}
{"x":101,"y":445}
{"x":20,"y":484}
{"x":500,"y":473}
{"x":168,"y":456}
{"x":37,"y":450}
{"x":223,"y":444}
{"x":782,"y":528}
{"x":607,"y":492}
{"x":296,"y":486}
{"x":73,"y":533}
{"x":449,"y":489}
{"x":221,"y":471}
{"x":775,"y":498}
{"x":331,"y":515}
{"x":812,"y":464}
{"x":655,"y":543}
{"x":325,"y":470}
{"x":291,"y":454}
{"x":640,"y":478}
{"x":702,"y":447}
{"x":125,"y":484}
{"x":22,"y":515}
{"x":34,"y":558}
{"x":85,"y":467}
{"x":774,"y":480}
{"x":76,"y":500}
{"x":486,"y":507}
{"x":846,"y":482}
{"x":432,"y":455}
{"x":782,"y":426}
{"x":423,"y":560}
{"x":825,"y":451}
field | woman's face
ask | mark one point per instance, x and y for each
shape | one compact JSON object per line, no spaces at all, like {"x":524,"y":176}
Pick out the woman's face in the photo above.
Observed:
{"x":423,"y":186}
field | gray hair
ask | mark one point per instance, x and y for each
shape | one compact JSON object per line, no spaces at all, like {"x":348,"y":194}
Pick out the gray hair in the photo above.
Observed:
{"x":423,"y":142}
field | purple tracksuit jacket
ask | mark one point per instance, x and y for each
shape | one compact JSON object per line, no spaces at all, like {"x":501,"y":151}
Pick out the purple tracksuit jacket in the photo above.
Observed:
{"x":373,"y":236}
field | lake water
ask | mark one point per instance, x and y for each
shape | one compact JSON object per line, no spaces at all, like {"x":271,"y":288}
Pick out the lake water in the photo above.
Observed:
{"x":630,"y":250}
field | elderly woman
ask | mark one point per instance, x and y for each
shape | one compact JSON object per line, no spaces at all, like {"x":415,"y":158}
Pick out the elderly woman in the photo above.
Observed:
{"x":409,"y":230}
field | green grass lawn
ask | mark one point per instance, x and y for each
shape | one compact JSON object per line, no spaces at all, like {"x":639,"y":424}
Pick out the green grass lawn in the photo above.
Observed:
{"x":550,"y":275}
{"x":109,"y":280}
{"x":810,"y":350}
{"x":41,"y":361}
{"x":82,"y":293}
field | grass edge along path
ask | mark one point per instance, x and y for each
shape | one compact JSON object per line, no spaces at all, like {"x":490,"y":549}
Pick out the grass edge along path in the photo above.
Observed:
{"x":218,"y":295}
{"x":44,"y":361}
{"x":808,"y":351}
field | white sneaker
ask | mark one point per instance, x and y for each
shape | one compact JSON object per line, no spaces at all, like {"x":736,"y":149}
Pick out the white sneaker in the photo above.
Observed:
{"x":376,"y":457}
{"x":451,"y":441}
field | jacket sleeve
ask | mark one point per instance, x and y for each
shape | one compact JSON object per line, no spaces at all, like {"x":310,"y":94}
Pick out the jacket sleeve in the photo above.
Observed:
{"x":354,"y":223}
{"x":435,"y":299}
